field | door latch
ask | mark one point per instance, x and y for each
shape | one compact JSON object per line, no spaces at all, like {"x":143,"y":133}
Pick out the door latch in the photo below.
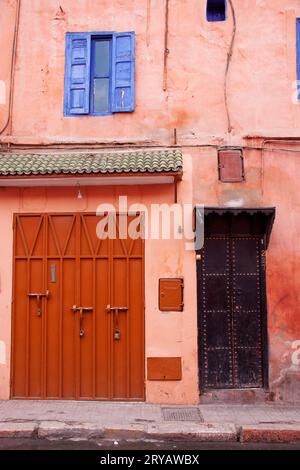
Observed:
{"x":39,"y":297}
{"x":115,"y":311}
{"x":81,"y":310}
{"x":110,"y":309}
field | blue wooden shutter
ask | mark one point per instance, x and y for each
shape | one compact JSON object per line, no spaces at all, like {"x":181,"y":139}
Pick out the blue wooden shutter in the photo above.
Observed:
{"x":123,"y":72}
{"x":77,"y":74}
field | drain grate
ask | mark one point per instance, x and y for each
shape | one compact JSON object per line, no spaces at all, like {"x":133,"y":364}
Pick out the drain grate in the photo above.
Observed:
{"x":182,"y":414}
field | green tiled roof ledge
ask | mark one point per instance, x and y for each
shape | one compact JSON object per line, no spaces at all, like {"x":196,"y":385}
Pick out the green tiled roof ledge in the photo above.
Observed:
{"x":145,"y":161}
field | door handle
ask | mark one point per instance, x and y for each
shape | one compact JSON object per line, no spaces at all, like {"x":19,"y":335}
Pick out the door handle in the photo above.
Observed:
{"x":38,"y":297}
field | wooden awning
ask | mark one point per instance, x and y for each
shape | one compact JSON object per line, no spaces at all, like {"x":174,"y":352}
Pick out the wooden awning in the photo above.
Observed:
{"x":233,"y":221}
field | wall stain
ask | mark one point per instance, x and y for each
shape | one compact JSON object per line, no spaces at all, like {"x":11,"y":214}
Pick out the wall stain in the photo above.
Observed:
{"x":279,"y":302}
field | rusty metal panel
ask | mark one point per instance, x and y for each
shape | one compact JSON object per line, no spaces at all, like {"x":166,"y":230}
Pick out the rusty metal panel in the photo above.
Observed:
{"x":171,"y":294}
{"x":231,"y":166}
{"x":67,"y":343}
{"x":164,"y":368}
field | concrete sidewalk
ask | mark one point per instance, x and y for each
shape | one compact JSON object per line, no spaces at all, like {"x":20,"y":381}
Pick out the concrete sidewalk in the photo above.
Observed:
{"x":119,"y":420}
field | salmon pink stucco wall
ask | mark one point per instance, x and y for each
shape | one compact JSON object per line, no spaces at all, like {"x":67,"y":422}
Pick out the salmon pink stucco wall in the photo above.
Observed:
{"x":271,"y":181}
{"x":259,"y":84}
{"x":189,"y":112}
{"x":166,"y":334}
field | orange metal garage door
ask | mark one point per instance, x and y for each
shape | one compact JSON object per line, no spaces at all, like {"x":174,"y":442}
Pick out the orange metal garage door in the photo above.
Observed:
{"x":78,"y":311}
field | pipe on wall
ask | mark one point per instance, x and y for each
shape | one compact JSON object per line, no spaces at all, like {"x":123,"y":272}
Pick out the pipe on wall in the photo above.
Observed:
{"x":166,"y":47}
{"x":229,"y":56}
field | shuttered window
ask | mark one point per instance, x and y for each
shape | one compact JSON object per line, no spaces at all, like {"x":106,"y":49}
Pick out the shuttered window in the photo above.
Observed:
{"x":99,"y":75}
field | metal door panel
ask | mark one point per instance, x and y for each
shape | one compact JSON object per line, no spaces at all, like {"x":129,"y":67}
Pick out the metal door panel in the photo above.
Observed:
{"x":246,"y":255}
{"x":218,"y":329}
{"x":120,"y":347}
{"x":247,"y":328}
{"x":216,"y":259}
{"x":231,"y":308}
{"x":68,"y":331}
{"x":103,"y":337}
{"x":218,"y":373}
{"x":52,"y":331}
{"x":216,"y":293}
{"x":246,"y":292}
{"x":248,"y":371}
{"x":86,"y":326}
{"x":51,"y":358}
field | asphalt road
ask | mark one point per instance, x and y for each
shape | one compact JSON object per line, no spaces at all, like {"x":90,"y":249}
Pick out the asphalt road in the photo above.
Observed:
{"x":42,"y":444}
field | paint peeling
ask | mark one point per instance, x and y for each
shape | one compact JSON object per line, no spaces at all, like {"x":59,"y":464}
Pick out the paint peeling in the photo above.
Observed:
{"x":296,"y":354}
{"x":122,"y":98}
{"x":235,"y":202}
{"x":291,"y":357}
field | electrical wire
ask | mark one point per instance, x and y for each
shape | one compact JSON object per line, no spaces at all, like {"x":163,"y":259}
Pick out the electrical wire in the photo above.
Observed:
{"x":229,"y":56}
{"x":12,"y":66}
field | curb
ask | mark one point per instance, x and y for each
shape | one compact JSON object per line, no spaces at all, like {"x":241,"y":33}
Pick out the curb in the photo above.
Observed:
{"x":18,"y":429}
{"x":55,"y":430}
{"x":201,"y":432}
{"x":179,"y":431}
{"x":271,"y":433}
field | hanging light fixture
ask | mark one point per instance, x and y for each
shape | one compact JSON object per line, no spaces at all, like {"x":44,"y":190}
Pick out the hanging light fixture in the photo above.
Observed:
{"x":79,"y":195}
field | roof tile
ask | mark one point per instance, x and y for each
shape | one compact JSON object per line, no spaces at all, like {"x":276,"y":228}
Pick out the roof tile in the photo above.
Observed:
{"x":153,"y":161}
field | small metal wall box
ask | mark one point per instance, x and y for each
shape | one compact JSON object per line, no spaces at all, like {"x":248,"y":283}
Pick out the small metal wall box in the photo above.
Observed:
{"x":171,"y":294}
{"x":164,"y":368}
{"x":231,"y":165}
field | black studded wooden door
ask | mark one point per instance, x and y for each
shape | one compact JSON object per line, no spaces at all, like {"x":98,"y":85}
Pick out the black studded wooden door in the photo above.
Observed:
{"x":232,"y":313}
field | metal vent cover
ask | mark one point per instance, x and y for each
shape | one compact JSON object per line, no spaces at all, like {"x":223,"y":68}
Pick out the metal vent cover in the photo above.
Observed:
{"x":181,"y":414}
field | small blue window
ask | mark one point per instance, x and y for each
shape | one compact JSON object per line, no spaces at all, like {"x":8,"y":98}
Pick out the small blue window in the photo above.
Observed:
{"x":216,"y":10}
{"x":99,"y":75}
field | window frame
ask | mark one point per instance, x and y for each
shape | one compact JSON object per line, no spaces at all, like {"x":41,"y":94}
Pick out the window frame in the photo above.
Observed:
{"x":94,"y":38}
{"x":116,"y":81}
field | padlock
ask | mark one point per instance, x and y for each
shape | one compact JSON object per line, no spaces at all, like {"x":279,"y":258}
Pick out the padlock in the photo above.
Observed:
{"x":117,"y":334}
{"x":81,"y":333}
